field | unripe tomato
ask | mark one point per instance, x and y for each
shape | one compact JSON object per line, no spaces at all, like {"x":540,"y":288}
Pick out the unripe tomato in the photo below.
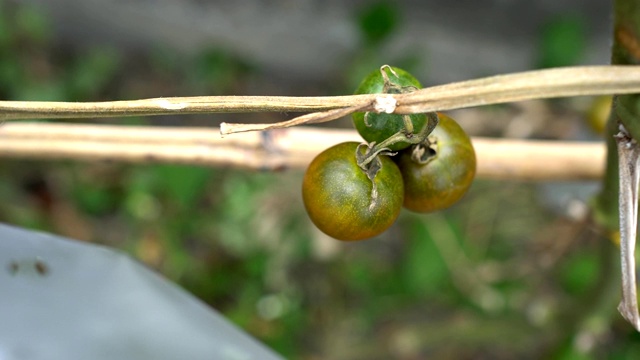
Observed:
{"x":447,"y":174}
{"x":379,"y":127}
{"x":337,"y":194}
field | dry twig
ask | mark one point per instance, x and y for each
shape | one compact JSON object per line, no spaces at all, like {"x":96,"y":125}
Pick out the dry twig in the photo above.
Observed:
{"x":629,"y":157}
{"x":278,"y":149}
{"x":539,"y":84}
{"x":559,"y":82}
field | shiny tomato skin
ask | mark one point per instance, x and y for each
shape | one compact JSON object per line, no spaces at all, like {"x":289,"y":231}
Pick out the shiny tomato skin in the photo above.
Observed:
{"x":337,"y":194}
{"x":442,"y":181}
{"x":382,"y":125}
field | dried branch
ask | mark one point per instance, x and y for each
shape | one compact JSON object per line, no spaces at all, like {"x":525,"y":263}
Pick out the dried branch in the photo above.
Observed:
{"x":560,"y":82}
{"x":539,"y":84}
{"x":278,"y":149}
{"x":313,"y":118}
{"x":629,"y":155}
{"x":16,"y":110}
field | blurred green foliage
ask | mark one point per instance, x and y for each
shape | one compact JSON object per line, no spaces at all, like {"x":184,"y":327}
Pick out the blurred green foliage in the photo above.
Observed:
{"x":217,"y":72}
{"x":497,"y":276}
{"x":562,"y":42}
{"x":424,"y":271}
{"x":378,"y":21}
{"x":579,"y":272}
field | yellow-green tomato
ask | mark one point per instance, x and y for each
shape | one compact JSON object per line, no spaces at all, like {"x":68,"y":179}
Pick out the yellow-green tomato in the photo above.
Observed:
{"x":447,"y":172}
{"x":337,"y":194}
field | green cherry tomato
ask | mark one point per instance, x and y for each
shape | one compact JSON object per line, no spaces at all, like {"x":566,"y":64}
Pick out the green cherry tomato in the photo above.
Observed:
{"x":337,"y":194}
{"x":378,"y":127}
{"x":447,"y":174}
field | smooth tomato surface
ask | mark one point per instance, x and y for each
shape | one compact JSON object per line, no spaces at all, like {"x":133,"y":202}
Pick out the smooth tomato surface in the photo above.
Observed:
{"x":442,"y":181}
{"x":337,"y":194}
{"x":382,"y":126}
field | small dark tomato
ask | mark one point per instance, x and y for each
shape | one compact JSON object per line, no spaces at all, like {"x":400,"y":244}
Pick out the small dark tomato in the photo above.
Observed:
{"x":380,"y":126}
{"x":447,"y":171}
{"x":337,"y":194}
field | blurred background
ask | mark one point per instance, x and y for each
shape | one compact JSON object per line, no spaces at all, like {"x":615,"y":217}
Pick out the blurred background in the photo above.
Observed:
{"x":515,"y":270}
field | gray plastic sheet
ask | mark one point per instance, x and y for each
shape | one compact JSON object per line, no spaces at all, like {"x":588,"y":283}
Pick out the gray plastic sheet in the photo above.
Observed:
{"x":64,"y":299}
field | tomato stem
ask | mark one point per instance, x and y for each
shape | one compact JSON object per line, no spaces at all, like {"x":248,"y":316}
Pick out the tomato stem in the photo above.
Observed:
{"x":401,"y":136}
{"x":408,"y":125}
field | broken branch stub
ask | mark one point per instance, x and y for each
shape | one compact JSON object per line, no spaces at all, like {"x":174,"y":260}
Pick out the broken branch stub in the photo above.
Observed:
{"x":629,"y":160}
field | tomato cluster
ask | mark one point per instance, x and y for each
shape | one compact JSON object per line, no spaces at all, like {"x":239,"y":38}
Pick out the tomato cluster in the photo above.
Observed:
{"x":355,"y":191}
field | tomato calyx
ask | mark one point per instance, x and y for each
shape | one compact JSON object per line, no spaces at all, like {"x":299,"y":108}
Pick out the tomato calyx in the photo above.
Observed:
{"x":369,"y":162}
{"x":425,"y":151}
{"x":412,"y":138}
{"x":390,"y":87}
{"x":421,"y":137}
